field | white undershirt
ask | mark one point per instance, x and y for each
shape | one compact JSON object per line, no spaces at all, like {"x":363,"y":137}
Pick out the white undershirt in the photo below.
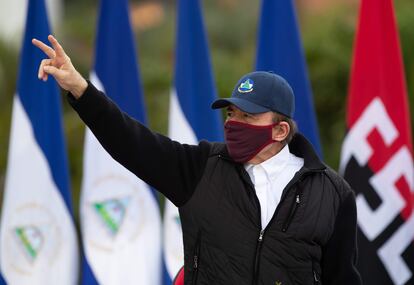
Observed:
{"x":270,"y":178}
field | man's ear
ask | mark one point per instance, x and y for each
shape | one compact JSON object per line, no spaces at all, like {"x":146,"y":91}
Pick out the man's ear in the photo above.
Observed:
{"x":280,"y":131}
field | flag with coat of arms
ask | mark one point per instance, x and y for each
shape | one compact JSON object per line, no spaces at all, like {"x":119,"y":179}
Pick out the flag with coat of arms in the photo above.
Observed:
{"x":120,"y":219}
{"x":190,"y":117}
{"x":38,"y":242}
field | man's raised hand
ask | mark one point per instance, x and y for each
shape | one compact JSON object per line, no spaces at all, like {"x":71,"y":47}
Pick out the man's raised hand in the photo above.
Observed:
{"x":60,"y":67}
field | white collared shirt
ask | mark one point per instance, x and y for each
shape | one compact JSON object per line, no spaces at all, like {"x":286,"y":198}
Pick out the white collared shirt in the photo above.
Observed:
{"x":270,"y":178}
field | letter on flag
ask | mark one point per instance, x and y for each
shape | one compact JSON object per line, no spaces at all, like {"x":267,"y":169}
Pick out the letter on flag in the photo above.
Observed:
{"x":120,"y":219}
{"x":38,"y":238}
{"x":377,"y":157}
{"x":280,"y":50}
{"x":191,"y":118}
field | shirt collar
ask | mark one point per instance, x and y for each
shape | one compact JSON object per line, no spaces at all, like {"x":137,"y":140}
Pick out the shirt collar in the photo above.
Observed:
{"x":275,"y":164}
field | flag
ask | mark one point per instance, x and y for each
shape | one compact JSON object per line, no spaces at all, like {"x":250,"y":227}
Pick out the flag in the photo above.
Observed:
{"x":280,"y":50}
{"x":120,"y":219}
{"x":377,"y":157}
{"x":190,"y":116}
{"x":38,"y":237}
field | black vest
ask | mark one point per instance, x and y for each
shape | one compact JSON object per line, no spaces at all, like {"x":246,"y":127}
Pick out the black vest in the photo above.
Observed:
{"x":223,"y":240}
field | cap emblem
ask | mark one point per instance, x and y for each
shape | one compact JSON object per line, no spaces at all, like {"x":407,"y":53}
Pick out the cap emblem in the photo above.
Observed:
{"x":246,"y":86}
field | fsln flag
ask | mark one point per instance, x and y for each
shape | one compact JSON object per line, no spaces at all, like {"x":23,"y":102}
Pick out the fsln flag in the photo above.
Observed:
{"x":190,"y":116}
{"x":38,"y":237}
{"x":280,"y":50}
{"x":120,"y":218}
{"x":377,"y":157}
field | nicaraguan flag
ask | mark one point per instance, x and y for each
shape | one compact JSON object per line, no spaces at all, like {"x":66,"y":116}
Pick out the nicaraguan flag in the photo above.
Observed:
{"x":280,"y":50}
{"x":190,"y":117}
{"x":120,"y":219}
{"x":38,"y":238}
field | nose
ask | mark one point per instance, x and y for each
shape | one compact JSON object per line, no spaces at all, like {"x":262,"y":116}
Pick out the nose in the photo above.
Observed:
{"x":233,"y":119}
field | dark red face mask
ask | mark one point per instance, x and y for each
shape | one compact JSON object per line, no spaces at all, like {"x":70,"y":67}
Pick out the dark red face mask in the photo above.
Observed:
{"x":244,"y":141}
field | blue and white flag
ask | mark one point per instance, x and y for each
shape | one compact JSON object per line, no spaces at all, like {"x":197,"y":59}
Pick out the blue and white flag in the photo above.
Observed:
{"x":190,"y":119}
{"x":38,"y":237}
{"x":120,"y":219}
{"x":280,"y":50}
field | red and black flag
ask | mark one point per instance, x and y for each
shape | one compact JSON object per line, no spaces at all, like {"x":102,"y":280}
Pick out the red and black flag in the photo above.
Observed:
{"x":377,"y":154}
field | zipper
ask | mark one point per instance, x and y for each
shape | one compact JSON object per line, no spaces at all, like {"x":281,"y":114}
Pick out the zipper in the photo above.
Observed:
{"x":292,"y":212}
{"x":286,"y":224}
{"x":293,"y":182}
{"x":296,"y":201}
{"x":196,"y":259}
{"x":257,"y":257}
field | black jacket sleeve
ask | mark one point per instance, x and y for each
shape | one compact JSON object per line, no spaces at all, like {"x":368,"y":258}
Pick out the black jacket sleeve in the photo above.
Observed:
{"x":340,"y":253}
{"x":172,"y":168}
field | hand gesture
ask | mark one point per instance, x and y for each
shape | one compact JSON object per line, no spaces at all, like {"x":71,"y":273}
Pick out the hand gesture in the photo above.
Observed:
{"x":60,"y":67}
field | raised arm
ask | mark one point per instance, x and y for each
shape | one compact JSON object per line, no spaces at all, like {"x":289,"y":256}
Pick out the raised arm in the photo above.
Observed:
{"x":172,"y":168}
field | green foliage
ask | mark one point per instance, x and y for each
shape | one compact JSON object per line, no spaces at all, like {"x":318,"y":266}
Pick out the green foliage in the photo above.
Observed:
{"x":328,"y":43}
{"x":405,"y":17}
{"x":8,"y":74}
{"x":231,"y":26}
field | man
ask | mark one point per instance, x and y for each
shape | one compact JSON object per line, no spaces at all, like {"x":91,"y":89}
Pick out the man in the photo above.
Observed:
{"x":260,"y":209}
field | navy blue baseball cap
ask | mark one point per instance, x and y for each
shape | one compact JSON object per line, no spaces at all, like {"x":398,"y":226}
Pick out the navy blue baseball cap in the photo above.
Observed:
{"x":259,"y":92}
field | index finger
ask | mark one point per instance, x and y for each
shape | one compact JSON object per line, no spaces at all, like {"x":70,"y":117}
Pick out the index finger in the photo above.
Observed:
{"x":45,"y":48}
{"x":56,"y":46}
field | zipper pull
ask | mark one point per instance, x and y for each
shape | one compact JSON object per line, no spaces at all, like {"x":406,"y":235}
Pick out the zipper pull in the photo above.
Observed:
{"x":316,"y":277}
{"x":261,"y":236}
{"x":195,"y":261}
{"x":297,"y":199}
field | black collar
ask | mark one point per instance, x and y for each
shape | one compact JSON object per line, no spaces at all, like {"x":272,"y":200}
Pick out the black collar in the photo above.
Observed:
{"x":301,"y":147}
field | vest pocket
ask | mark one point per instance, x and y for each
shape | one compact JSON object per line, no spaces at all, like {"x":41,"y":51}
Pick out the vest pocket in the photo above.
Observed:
{"x":196,"y":258}
{"x":293,"y":208}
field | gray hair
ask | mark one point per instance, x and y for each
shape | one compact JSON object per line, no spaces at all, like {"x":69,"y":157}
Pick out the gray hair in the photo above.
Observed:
{"x":277,"y":118}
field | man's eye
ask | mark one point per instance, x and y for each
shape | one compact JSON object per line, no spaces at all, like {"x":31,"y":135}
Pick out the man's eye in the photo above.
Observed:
{"x":229,"y":114}
{"x":247,"y":115}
